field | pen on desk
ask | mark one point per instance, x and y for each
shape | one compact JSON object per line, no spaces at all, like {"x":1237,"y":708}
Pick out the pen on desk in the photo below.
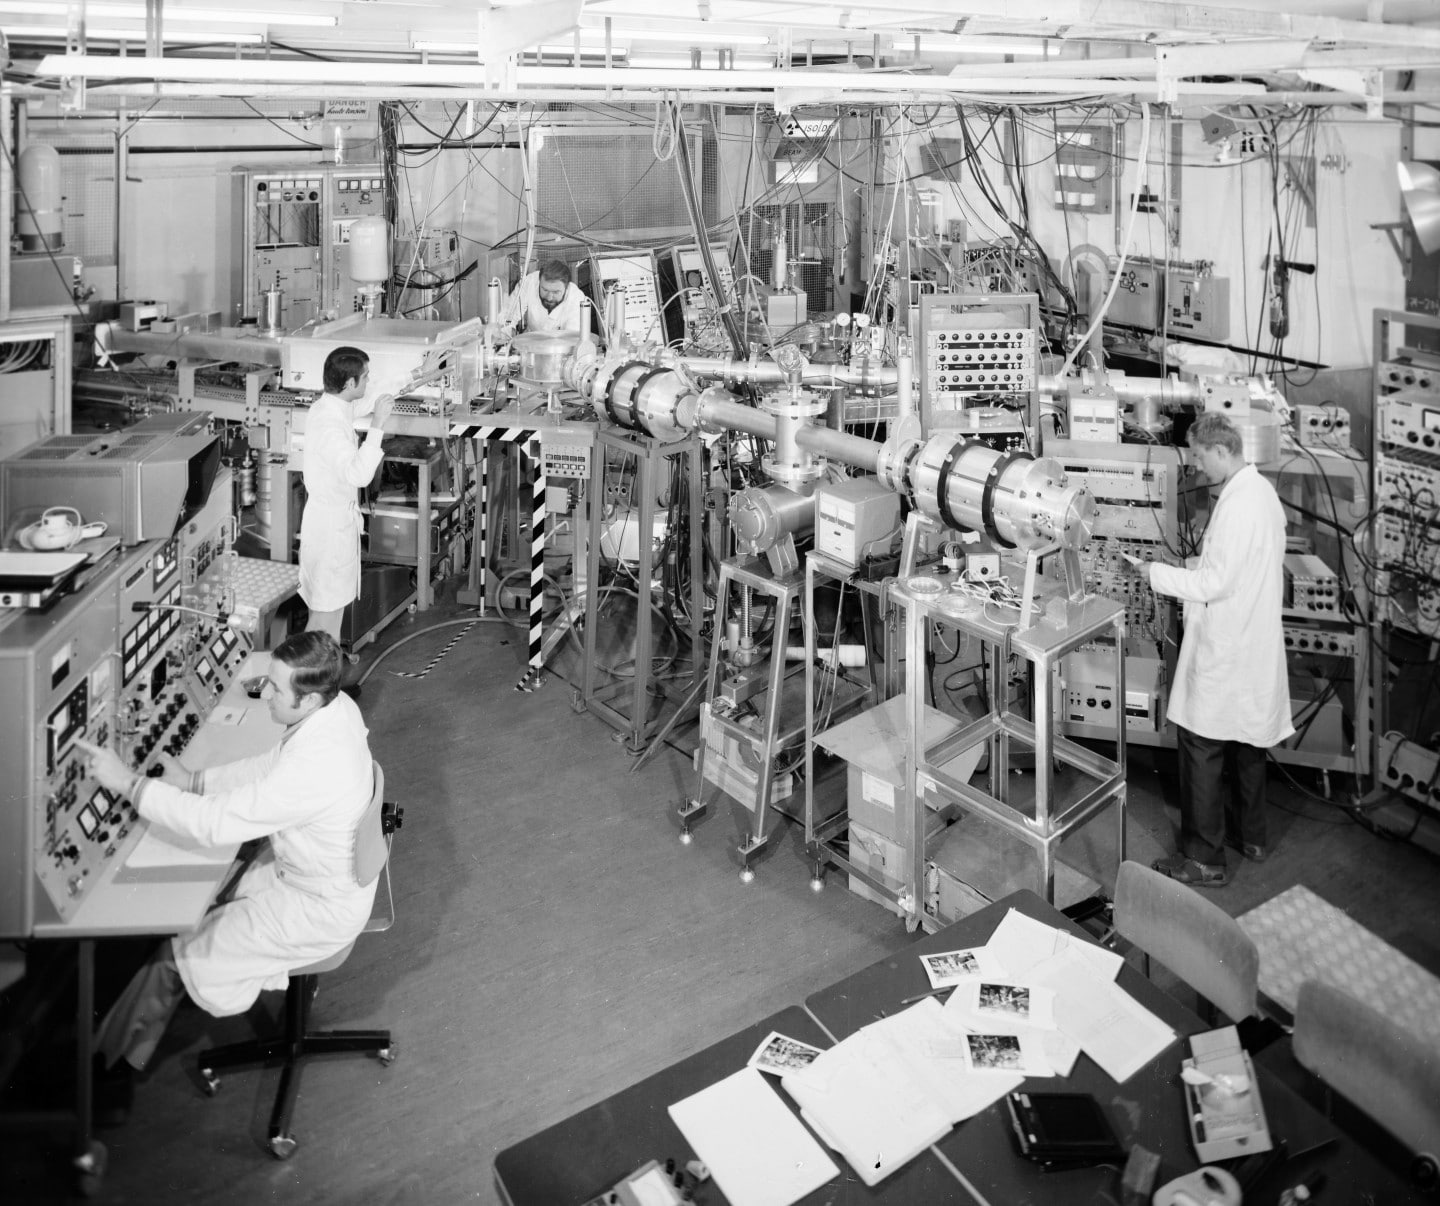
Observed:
{"x":934,"y":992}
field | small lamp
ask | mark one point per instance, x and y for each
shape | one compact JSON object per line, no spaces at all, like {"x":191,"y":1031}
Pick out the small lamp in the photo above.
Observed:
{"x":1420,"y":194}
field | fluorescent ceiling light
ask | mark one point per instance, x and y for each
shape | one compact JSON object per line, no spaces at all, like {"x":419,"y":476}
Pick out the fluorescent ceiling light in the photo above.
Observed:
{"x":754,"y":62}
{"x":1038,"y":48}
{"x":170,"y":15}
{"x":136,"y":33}
{"x":706,"y":37}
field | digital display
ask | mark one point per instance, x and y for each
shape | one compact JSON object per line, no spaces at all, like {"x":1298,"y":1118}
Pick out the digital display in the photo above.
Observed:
{"x":89,"y":820}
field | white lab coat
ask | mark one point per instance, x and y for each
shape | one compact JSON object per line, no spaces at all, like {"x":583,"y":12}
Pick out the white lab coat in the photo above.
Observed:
{"x":299,"y":903}
{"x":337,"y":464}
{"x":1230,"y":678}
{"x":524,"y":303}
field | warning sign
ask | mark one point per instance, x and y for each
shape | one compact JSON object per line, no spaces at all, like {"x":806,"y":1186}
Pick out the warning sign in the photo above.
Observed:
{"x":795,"y":127}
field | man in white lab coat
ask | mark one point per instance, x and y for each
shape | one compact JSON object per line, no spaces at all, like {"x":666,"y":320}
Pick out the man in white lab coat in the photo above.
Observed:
{"x":1231,"y":697}
{"x":298,"y":902}
{"x":545,"y":301}
{"x":337,"y":464}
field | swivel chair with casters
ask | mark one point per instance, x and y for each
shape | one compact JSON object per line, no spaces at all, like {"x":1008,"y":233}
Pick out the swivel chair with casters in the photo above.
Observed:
{"x":1388,"y":1073}
{"x":371,"y":860}
{"x":1196,"y":939}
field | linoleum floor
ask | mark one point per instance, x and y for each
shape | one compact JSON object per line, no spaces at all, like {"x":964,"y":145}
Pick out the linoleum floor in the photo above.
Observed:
{"x":555,"y":942}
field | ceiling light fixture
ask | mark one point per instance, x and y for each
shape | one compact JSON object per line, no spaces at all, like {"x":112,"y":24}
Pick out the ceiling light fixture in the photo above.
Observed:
{"x":230,"y":37}
{"x":1038,"y":48}
{"x":171,"y":15}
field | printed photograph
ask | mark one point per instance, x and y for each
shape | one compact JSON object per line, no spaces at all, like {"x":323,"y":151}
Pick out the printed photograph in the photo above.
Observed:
{"x":779,"y":1054}
{"x":994,"y":1052}
{"x":1009,"y":999}
{"x":951,"y":967}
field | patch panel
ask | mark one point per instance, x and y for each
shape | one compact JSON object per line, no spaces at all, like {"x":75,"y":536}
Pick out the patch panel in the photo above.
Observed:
{"x":1407,"y":480}
{"x":1322,"y":426}
{"x":1311,"y":586}
{"x":1410,"y":546}
{"x":1307,"y":638}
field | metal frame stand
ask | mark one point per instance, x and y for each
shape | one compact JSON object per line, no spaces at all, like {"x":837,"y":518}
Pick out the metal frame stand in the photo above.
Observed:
{"x":1063,"y":626}
{"x":651,"y":455}
{"x":787,"y":593}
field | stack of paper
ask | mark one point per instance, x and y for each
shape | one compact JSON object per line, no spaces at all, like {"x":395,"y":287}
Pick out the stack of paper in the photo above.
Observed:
{"x":1088,"y":1007}
{"x":886,"y":1093}
{"x":755,"y":1148}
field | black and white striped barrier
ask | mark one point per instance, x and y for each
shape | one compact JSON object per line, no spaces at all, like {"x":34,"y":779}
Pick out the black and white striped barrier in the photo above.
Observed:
{"x":529,"y":440}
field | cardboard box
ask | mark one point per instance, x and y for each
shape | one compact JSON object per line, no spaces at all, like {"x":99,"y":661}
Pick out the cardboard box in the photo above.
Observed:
{"x":873,"y":743}
{"x":980,"y":861}
{"x":882,"y":859}
{"x":732,"y":766}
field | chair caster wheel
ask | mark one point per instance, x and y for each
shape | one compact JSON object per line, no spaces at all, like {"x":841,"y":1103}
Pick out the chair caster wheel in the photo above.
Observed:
{"x":747,"y":876}
{"x":211,"y":1082}
{"x":282,"y":1147}
{"x":386,"y":1055}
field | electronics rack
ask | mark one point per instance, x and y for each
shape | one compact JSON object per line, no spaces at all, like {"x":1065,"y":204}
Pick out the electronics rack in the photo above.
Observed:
{"x":92,"y":667}
{"x":1135,"y":487}
{"x":1405,"y":470}
{"x":977,"y":349}
{"x":696,"y":295}
{"x":297,"y":235}
{"x":635,"y":277}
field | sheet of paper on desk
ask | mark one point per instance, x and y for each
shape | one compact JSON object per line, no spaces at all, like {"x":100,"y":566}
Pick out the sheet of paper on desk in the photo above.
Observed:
{"x":1021,"y":943}
{"x":759,"y":1153}
{"x":1111,"y":1026}
{"x":927,"y":1043}
{"x":865,"y":1102}
{"x":157,"y":848}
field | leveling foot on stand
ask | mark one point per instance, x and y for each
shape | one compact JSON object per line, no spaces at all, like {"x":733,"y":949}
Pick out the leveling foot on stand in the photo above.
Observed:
{"x":688,"y":808}
{"x":747,"y":874}
{"x":531,"y":680}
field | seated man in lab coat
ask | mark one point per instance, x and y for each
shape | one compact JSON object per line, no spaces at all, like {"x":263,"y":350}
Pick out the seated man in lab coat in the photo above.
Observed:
{"x":295,"y":904}
{"x":1231,"y":698}
{"x":544,"y":301}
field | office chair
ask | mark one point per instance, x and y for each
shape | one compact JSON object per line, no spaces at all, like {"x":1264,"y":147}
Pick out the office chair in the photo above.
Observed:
{"x":1386,"y":1071}
{"x":1195,"y":938}
{"x":371,"y":860}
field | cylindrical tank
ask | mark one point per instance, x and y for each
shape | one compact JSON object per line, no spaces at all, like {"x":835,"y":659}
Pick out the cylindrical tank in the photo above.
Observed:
{"x":760,"y":516}
{"x":1016,"y":499}
{"x":369,"y":250}
{"x":543,"y":355}
{"x":39,"y":218}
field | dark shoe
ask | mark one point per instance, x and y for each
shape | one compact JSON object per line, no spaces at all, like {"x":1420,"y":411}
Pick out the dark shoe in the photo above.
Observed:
{"x":1256,"y":854}
{"x":1188,"y":871}
{"x":112,"y":1092}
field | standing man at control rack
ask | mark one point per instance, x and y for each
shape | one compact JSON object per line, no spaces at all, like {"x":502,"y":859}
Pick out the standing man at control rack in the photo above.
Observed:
{"x":544,"y":301}
{"x":337,"y":465}
{"x":298,"y":902}
{"x":1231,"y":698}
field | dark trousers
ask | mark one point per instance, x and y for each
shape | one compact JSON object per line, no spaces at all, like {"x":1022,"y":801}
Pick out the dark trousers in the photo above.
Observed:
{"x":1207,"y":814}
